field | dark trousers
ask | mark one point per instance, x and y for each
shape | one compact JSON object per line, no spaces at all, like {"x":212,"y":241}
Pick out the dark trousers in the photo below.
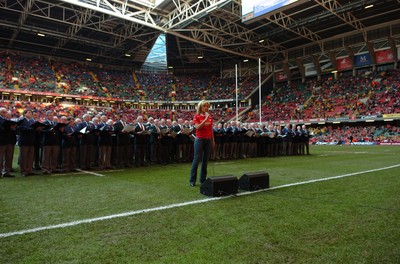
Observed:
{"x":140,"y":152}
{"x":26,"y":159}
{"x":105,"y":156}
{"x":156,"y":150}
{"x":87,"y":156}
{"x":50,"y":158}
{"x":38,"y":156}
{"x":6,"y":158}
{"x":69,"y":158}
{"x":124,"y":155}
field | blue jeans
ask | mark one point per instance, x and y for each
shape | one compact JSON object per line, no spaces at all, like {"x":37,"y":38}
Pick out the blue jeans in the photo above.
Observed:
{"x":202,"y":150}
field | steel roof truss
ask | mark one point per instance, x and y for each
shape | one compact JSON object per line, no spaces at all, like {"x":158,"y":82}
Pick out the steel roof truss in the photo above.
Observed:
{"x":289,"y":24}
{"x":347,"y":17}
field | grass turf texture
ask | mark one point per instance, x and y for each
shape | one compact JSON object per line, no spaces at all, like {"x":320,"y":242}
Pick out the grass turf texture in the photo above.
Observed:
{"x":349,"y":220}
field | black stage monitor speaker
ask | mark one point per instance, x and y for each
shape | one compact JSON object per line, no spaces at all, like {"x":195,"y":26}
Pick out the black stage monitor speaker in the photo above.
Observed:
{"x":253,"y":181}
{"x":219,"y":186}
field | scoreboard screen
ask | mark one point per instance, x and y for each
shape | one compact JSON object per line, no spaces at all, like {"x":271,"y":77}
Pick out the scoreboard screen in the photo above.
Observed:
{"x":251,"y":10}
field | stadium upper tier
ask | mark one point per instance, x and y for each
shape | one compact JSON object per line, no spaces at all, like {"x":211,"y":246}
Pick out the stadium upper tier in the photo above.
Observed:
{"x":38,"y":74}
{"x":365,"y":95}
{"x":370,"y":93}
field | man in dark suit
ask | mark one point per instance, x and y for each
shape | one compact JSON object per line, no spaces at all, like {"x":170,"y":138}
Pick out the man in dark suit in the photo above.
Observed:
{"x":123,"y":141}
{"x":287,"y":135}
{"x":227,"y":139}
{"x":187,"y":142}
{"x":180,"y":141}
{"x":87,"y":141}
{"x":234,"y":140}
{"x":105,"y":143}
{"x":170,"y":141}
{"x":155,"y":142}
{"x":50,"y":144}
{"x":26,"y":143}
{"x":7,"y":142}
{"x":38,"y":144}
{"x":164,"y":141}
{"x":148,"y":125}
{"x":306,"y":139}
{"x":69,"y":145}
{"x":240,"y":140}
{"x":218,"y":142}
{"x":140,"y":142}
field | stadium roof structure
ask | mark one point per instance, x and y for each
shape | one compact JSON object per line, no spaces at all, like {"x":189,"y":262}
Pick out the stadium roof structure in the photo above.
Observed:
{"x":200,"y":34}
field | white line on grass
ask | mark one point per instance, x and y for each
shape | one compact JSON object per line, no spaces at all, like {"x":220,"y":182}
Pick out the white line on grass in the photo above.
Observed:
{"x":319,"y":180}
{"x":93,"y":173}
{"x":223,"y":163}
{"x":359,"y":152}
{"x":80,"y":172}
{"x":160,"y":208}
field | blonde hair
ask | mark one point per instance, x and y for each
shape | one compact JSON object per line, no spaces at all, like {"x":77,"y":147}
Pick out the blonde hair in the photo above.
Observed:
{"x":200,"y":105}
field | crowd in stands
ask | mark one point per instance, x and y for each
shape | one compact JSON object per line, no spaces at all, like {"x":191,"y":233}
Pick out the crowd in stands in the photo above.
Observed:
{"x":43,"y":75}
{"x":372,"y":93}
{"x":369,"y":94}
{"x":349,"y":135}
{"x":155,"y":87}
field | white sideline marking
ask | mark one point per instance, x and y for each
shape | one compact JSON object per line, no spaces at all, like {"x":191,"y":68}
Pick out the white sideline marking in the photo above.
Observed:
{"x":90,"y":172}
{"x":82,"y":172}
{"x":322,"y":179}
{"x":90,"y":220}
{"x":223,"y":163}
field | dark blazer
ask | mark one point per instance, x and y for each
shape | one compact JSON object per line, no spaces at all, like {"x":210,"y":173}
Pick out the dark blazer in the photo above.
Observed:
{"x":26,"y":133}
{"x":49,"y":135}
{"x":8,"y":136}
{"x":139,"y":138}
{"x":154,"y":134}
{"x":88,"y":138}
{"x":122,"y":138}
{"x":287,"y":134}
{"x":69,"y":139}
{"x":218,"y":133}
{"x":164,"y":138}
{"x":3,"y":131}
{"x":180,"y":137}
{"x":105,"y":138}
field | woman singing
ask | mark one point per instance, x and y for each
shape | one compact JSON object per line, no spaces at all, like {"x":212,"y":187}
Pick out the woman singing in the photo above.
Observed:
{"x":203,"y":143}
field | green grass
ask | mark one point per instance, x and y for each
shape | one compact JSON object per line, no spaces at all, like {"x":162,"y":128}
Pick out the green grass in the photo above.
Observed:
{"x":349,"y":220}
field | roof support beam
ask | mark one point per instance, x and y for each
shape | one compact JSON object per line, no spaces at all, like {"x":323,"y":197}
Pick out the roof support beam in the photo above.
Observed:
{"x":371,"y":51}
{"x":21,"y":21}
{"x":128,"y":30}
{"x":146,"y":17}
{"x":187,"y":12}
{"x":235,"y":33}
{"x":289,"y":23}
{"x":83,"y":18}
{"x":392,"y":44}
{"x":333,"y":6}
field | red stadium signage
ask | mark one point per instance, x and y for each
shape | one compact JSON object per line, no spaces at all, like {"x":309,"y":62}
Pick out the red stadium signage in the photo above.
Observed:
{"x":344,"y":64}
{"x":281,"y":76}
{"x":384,"y":56}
